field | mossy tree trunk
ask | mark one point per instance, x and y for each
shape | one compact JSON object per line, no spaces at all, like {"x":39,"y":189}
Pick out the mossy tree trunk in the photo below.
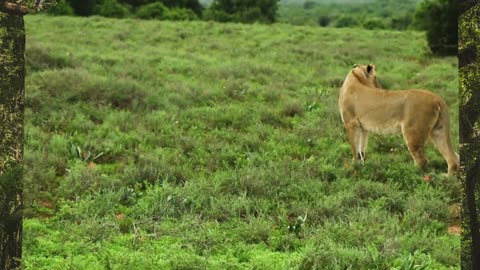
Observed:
{"x":469,"y":73}
{"x":471,"y":228}
{"x":12,"y":86}
{"x":12,"y":76}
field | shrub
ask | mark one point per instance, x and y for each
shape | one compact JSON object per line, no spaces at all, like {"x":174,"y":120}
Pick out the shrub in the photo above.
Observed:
{"x":137,"y":3}
{"x":152,"y":11}
{"x":245,"y":11}
{"x":374,"y":23}
{"x":437,"y":18}
{"x":61,"y":8}
{"x":324,"y":20}
{"x":346,"y":21}
{"x":217,"y":15}
{"x":401,"y":21}
{"x":192,"y":5}
{"x":309,"y":5}
{"x":111,"y":8}
{"x":83,"y":7}
{"x":181,"y":14}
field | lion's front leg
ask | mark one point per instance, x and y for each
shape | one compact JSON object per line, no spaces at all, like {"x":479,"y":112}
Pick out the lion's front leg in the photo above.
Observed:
{"x":364,"y":140}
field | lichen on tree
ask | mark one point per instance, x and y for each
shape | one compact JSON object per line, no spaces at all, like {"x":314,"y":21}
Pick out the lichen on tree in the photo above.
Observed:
{"x":12,"y":76}
{"x":469,"y":80}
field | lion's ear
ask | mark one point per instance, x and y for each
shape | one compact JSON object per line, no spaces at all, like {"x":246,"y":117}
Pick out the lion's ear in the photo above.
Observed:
{"x":370,"y":68}
{"x":355,"y":65}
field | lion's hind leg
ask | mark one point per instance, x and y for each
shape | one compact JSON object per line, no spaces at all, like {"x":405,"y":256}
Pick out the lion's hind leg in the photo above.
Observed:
{"x":441,"y":139}
{"x":415,"y":140}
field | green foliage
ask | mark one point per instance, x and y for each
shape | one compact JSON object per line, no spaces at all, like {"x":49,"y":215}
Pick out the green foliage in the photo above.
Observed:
{"x":324,"y":20}
{"x":137,"y":3}
{"x":62,"y":8}
{"x":192,"y":5}
{"x":346,"y":21}
{"x":159,"y":11}
{"x":401,"y":21}
{"x":374,"y":23}
{"x":308,"y":4}
{"x":437,"y":18}
{"x":415,"y":261}
{"x":147,"y":9}
{"x":245,"y":11}
{"x":223,"y":149}
{"x":369,"y":14}
{"x":111,"y":8}
{"x":181,"y":14}
{"x":152,"y":11}
{"x":83,"y":7}
{"x":10,"y":214}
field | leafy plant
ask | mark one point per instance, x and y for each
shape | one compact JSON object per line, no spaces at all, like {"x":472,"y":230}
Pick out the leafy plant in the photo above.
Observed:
{"x":152,"y":11}
{"x":112,"y":8}
{"x":84,"y":155}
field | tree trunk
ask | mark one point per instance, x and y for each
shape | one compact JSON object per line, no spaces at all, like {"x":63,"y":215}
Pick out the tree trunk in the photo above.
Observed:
{"x":12,"y":84}
{"x":469,"y":65}
{"x":470,"y":190}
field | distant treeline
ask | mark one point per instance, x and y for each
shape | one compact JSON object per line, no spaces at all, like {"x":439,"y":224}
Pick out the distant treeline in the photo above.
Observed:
{"x":437,"y":17}
{"x":246,"y":11}
{"x":370,"y":14}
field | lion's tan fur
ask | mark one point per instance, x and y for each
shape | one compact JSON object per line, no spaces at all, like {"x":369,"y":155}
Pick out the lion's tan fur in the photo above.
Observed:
{"x":417,"y":114}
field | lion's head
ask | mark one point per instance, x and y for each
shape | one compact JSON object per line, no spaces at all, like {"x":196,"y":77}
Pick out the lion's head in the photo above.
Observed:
{"x":366,"y":75}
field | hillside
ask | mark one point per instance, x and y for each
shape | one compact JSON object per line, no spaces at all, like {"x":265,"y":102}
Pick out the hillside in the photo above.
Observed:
{"x":198,"y":145}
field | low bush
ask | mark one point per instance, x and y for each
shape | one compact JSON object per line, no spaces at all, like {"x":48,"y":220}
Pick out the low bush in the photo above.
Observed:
{"x":152,"y":11}
{"x":112,"y":8}
{"x":181,"y":14}
{"x":62,"y":8}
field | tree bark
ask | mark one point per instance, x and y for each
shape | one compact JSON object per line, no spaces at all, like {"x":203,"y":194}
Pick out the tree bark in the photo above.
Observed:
{"x":469,"y":43}
{"x":12,"y":84}
{"x":470,"y":190}
{"x":466,"y":56}
{"x":15,"y":9}
{"x":464,"y":5}
{"x":469,"y":115}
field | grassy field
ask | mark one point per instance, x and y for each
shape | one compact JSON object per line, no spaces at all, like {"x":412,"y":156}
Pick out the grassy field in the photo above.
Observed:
{"x":198,"y":145}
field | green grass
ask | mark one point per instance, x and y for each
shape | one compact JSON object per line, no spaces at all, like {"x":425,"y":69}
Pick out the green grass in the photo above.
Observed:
{"x":198,"y":145}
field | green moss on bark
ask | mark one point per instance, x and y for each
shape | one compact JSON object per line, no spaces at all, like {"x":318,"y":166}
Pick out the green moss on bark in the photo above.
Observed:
{"x":12,"y":74}
{"x":12,"y":77}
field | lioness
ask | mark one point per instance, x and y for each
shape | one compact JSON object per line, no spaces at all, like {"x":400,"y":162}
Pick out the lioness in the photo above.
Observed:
{"x":417,"y":114}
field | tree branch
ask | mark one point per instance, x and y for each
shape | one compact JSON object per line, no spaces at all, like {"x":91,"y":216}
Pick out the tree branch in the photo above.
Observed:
{"x":14,"y":8}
